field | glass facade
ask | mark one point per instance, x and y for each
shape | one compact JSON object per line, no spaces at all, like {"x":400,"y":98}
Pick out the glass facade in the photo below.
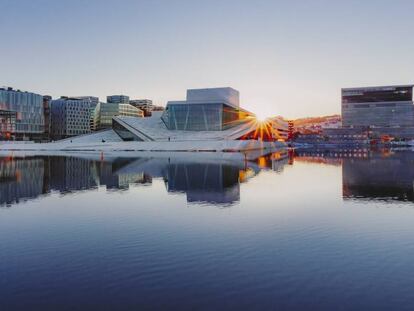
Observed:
{"x":106,"y":113}
{"x":387,"y":106}
{"x":380,"y":94}
{"x":70,"y":117}
{"x":203,"y":117}
{"x":124,"y":133}
{"x":7,"y":124}
{"x":28,"y":108}
{"x":130,"y":111}
{"x":118,"y":99}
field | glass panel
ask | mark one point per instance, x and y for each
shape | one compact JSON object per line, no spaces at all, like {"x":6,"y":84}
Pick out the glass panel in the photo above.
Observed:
{"x":124,"y":133}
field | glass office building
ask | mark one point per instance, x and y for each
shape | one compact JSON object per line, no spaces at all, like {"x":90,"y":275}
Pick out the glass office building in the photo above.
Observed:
{"x":70,"y":117}
{"x":118,"y":99}
{"x":28,"y":109}
{"x":106,"y":111}
{"x":383,"y":106}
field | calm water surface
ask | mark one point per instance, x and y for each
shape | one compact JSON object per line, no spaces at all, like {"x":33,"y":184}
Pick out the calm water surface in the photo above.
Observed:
{"x":315,"y":230}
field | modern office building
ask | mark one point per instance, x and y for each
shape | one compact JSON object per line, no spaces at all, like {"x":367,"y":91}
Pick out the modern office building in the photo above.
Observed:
{"x":46,"y":112}
{"x":7,"y":124}
{"x":103,"y":114}
{"x":70,"y":116}
{"x":106,"y":112}
{"x":26,"y":110}
{"x":144,"y":104}
{"x":382,"y":106}
{"x":118,"y":99}
{"x":130,"y":111}
{"x":94,"y":116}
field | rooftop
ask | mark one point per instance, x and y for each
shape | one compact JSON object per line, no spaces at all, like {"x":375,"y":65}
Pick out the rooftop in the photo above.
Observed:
{"x":373,"y":88}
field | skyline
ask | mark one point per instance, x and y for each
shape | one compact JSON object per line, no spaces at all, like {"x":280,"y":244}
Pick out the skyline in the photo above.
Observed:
{"x":285,"y":59}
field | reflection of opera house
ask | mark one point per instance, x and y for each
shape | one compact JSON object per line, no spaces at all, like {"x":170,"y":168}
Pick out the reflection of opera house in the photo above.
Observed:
{"x":203,"y":177}
{"x":208,"y":120}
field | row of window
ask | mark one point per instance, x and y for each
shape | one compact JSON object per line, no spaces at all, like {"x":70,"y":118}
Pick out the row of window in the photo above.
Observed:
{"x":370,"y":105}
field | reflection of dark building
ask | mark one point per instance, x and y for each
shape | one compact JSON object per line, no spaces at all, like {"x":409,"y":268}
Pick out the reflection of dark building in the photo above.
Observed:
{"x":69,"y":174}
{"x":380,"y":176}
{"x":274,"y":161}
{"x":217,"y":183}
{"x":21,"y":179}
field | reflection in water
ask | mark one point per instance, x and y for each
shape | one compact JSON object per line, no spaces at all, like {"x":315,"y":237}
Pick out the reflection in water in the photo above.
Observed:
{"x":383,"y":175}
{"x":212,"y":180}
{"x":386,"y":175}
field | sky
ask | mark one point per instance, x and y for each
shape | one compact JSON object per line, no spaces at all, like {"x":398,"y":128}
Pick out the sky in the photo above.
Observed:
{"x":288,"y":58}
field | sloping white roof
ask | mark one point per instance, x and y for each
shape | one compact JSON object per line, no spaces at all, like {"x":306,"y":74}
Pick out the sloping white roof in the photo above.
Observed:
{"x":153,"y":128}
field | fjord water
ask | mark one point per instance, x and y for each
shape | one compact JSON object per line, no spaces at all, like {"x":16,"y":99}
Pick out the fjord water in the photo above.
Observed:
{"x":315,"y":230}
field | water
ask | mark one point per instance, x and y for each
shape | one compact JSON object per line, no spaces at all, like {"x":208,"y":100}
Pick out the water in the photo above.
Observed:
{"x":321,"y":230}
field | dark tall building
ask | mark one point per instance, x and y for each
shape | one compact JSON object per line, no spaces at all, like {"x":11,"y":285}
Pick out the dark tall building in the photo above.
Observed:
{"x":382,"y":106}
{"x":46,"y":112}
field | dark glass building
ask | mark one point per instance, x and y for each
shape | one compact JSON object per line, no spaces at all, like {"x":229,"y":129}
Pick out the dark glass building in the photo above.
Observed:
{"x":383,"y":106}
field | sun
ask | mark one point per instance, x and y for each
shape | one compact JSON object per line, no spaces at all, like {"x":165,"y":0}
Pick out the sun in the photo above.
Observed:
{"x":261,"y":117}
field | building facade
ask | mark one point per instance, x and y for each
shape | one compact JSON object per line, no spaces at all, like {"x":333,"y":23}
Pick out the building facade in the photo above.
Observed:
{"x":279,"y":128}
{"x":143,"y":104}
{"x":70,"y":117}
{"x":7,"y":124}
{"x":27,"y":109}
{"x":212,"y":109}
{"x":105,"y":112}
{"x":383,"y":106}
{"x":46,"y":112}
{"x":118,"y":99}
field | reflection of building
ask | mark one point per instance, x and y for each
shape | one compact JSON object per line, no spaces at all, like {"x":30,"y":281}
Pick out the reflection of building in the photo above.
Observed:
{"x":380,"y":176}
{"x":27,"y":113}
{"x":69,"y":174}
{"x":70,"y":117}
{"x":208,"y":179}
{"x":215,"y":183}
{"x":21,"y":179}
{"x":274,"y":161}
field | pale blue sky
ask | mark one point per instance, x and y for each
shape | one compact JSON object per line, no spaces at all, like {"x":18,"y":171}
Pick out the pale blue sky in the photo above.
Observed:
{"x":286,"y":58}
